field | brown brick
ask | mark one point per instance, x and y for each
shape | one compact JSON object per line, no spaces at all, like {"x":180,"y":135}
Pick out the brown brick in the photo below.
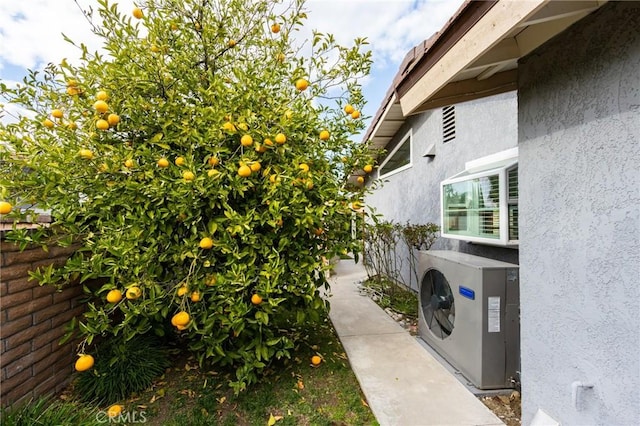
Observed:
{"x":43,"y":290}
{"x":20,"y":284}
{"x":47,"y":386}
{"x":4,"y":288}
{"x":55,"y":261}
{"x":15,"y":299}
{"x":68,"y":293}
{"x":50,"y":336}
{"x":10,"y":356}
{"x":6,"y":246}
{"x":29,"y":307}
{"x":58,"y":251}
{"x":21,"y":393}
{"x":15,"y":271}
{"x":13,"y":382}
{"x":63,"y":318}
{"x":27,"y":256}
{"x":50,"y":312}
{"x":26,"y":336}
{"x":9,"y":328}
{"x":49,"y":362}
{"x":20,"y":364}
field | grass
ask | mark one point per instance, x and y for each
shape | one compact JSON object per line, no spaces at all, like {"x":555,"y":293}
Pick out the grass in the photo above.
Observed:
{"x":388,"y":294}
{"x":293,"y":392}
{"x":47,"y":412}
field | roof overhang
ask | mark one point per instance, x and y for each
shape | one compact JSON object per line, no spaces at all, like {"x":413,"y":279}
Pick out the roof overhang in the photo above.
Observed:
{"x":475,"y":55}
{"x":484,"y":61}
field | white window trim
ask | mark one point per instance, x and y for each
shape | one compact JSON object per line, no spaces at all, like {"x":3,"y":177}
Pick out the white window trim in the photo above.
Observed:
{"x":408,"y":136}
{"x":491,"y":165}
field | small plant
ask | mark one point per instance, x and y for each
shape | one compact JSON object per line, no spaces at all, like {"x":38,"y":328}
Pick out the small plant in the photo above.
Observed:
{"x":45,"y":412}
{"x":388,"y":294}
{"x":121,"y":369}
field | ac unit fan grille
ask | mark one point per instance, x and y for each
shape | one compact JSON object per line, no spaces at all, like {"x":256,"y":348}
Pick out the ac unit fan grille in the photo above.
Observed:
{"x":437,"y":303}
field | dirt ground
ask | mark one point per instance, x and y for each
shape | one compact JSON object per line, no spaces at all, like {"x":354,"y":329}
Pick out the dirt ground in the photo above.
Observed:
{"x":507,"y":408}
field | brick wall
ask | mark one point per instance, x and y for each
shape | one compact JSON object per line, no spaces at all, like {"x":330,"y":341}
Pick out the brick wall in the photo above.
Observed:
{"x":32,"y":320}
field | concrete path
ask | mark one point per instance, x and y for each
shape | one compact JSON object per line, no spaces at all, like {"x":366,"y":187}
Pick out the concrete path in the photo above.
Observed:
{"x":403,"y":383}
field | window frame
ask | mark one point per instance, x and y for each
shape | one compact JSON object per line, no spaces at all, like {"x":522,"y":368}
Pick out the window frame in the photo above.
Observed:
{"x":407,"y":138}
{"x":500,"y":169}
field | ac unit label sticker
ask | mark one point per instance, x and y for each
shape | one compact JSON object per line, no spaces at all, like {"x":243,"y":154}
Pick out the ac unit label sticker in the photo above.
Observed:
{"x":493,"y":317}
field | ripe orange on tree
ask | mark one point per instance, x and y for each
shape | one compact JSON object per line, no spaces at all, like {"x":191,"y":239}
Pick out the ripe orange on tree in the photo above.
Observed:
{"x":355,"y":114}
{"x":48,"y":123}
{"x":180,"y":161}
{"x":206,"y":243}
{"x":244,"y":171}
{"x":256,"y":299}
{"x":101,"y":106}
{"x":196,"y":296}
{"x":280,"y":138}
{"x":302,"y":84}
{"x":214,"y":161}
{"x":113,"y":119}
{"x":324,"y":135}
{"x":246,"y":140}
{"x":137,"y":13}
{"x":188,"y":176}
{"x":348,"y":108}
{"x":87,"y":154}
{"x":84,"y":362}
{"x":182,"y":318}
{"x":102,"y":95}
{"x":163,"y":162}
{"x":255,"y":166}
{"x":5,"y":207}
{"x":275,"y":28}
{"x":129,"y":163}
{"x":102,"y":124}
{"x":114,"y":296}
{"x":368,"y":168}
{"x":57,"y":113}
{"x":360,"y":179}
{"x":183,"y":290}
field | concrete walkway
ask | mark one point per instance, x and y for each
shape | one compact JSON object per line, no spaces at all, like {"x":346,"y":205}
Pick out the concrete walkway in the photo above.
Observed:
{"x":403,"y":383}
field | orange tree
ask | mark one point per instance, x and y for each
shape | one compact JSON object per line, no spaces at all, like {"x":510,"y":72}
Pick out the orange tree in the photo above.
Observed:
{"x":199,"y":159}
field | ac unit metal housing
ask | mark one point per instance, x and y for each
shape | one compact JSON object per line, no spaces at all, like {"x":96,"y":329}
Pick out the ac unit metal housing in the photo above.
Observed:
{"x":469,"y":312}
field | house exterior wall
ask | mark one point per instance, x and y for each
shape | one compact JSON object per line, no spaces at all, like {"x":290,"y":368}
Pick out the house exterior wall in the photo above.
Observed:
{"x":579,"y":149}
{"x":483,"y":127}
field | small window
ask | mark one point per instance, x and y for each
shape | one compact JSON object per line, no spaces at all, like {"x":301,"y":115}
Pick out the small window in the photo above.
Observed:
{"x":448,"y":123}
{"x":399,"y":157}
{"x":481,"y":205}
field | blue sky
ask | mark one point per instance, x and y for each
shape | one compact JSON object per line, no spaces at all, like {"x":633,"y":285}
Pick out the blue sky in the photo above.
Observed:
{"x":30,"y":32}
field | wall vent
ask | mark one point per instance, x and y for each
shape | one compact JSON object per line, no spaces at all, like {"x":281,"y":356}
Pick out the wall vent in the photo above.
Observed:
{"x":448,"y":123}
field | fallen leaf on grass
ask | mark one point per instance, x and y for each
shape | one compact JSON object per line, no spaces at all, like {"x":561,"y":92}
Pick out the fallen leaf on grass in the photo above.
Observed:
{"x":222,"y":399}
{"x":364,"y":402}
{"x":300,"y":384}
{"x":273,"y":419}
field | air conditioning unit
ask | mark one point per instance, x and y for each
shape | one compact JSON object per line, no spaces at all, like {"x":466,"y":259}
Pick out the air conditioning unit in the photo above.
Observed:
{"x":470,"y":314}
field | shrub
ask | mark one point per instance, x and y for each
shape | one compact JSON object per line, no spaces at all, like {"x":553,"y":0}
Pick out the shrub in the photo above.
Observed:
{"x":189,"y":164}
{"x":122,"y":369}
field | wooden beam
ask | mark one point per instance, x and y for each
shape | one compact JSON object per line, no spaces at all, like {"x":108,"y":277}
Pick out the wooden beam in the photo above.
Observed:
{"x":494,"y":26}
{"x":467,"y":90}
{"x":561,"y":9}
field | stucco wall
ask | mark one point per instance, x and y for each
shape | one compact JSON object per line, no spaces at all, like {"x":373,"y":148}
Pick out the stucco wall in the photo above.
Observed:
{"x":483,"y":127}
{"x":579,"y":147}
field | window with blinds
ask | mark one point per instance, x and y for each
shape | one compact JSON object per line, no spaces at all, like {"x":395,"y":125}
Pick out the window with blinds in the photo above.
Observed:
{"x":481,"y":205}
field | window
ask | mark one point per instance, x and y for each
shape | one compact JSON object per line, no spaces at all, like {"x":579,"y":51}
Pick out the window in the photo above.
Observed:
{"x":481,"y":203}
{"x":399,"y":157}
{"x":448,"y":123}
